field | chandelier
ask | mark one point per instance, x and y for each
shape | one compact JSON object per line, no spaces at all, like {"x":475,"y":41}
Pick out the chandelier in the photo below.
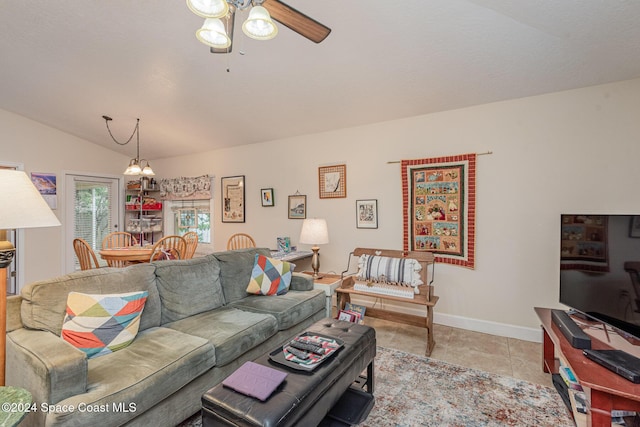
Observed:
{"x":135,"y":165}
{"x":215,"y":34}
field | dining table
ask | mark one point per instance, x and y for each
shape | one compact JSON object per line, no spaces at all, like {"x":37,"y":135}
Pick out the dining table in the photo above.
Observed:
{"x":127,"y":254}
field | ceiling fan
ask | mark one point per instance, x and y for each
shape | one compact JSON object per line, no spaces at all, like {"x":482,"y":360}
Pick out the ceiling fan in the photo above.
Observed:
{"x":217,"y":31}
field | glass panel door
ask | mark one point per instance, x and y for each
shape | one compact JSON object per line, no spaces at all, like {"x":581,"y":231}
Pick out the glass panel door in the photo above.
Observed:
{"x":93,"y":204}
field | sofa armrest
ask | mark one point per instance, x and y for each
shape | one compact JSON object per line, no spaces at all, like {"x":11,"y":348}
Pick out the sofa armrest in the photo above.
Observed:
{"x":14,"y":320}
{"x":301,"y":282}
{"x":46,"y":365}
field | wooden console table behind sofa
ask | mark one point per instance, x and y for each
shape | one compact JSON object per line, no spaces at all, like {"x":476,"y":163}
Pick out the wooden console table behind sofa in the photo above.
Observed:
{"x":425,"y":298}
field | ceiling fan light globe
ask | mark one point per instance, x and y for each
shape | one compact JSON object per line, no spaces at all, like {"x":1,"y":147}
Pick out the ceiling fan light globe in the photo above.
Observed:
{"x":208,"y":8}
{"x":213,"y":34}
{"x":259,"y":25}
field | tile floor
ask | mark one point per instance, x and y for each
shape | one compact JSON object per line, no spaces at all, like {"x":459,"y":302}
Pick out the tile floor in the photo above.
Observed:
{"x":490,"y":353}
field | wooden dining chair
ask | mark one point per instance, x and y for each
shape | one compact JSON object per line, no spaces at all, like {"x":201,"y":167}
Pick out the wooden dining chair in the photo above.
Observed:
{"x":169,"y":247}
{"x":118,"y":239}
{"x":192,"y":244}
{"x":86,"y":257}
{"x":240,"y":241}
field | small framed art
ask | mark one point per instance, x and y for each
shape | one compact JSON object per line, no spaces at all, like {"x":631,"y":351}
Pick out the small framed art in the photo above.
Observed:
{"x":232,"y":198}
{"x":332,"y":181}
{"x":297,"y":206}
{"x":367,"y":213}
{"x":266,"y":196}
{"x":47,"y":187}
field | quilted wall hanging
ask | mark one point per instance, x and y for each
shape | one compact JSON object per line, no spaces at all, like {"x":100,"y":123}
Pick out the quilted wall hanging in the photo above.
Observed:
{"x":439,"y":199}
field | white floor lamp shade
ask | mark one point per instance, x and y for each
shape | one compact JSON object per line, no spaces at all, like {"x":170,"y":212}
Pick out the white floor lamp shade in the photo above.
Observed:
{"x":21,"y":206}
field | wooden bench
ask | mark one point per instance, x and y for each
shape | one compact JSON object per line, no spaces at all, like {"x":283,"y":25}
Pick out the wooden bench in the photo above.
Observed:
{"x":425,"y":298}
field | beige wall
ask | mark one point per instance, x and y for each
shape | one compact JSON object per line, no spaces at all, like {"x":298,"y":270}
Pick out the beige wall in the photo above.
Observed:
{"x":40,"y":148}
{"x":574,"y":151}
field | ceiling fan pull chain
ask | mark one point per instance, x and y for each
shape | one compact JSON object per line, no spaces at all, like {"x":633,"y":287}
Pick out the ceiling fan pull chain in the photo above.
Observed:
{"x":241,"y":43}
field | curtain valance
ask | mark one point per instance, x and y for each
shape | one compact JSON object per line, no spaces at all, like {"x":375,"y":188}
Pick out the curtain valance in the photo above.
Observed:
{"x":186,"y":188}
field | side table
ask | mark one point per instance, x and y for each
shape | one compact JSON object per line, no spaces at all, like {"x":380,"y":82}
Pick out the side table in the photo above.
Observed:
{"x":607,"y":390}
{"x":328,"y":283}
{"x":16,"y":403}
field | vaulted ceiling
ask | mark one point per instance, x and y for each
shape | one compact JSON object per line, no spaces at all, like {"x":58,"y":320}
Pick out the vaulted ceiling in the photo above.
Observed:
{"x":66,"y":63}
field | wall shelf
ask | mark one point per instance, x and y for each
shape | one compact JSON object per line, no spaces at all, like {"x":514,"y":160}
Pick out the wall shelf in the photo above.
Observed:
{"x":143,"y":220}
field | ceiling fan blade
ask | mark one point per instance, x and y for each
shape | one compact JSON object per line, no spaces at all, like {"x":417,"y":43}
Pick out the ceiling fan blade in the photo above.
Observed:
{"x":297,"y":21}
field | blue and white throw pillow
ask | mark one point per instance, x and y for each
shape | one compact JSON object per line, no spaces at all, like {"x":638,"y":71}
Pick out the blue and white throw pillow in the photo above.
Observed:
{"x":404,"y":271}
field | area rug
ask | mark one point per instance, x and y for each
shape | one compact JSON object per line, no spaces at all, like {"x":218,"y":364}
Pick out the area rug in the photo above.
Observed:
{"x":413,"y":391}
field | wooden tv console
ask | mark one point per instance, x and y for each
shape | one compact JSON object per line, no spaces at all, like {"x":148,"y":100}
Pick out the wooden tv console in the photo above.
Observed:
{"x":424,"y":299}
{"x":605,"y":390}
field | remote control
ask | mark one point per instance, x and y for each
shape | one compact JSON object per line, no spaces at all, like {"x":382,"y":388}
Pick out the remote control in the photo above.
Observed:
{"x":298,"y":353}
{"x":307,"y":346}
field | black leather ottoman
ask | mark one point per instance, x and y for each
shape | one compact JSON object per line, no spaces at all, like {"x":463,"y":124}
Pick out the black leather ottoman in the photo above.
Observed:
{"x":304,"y":399}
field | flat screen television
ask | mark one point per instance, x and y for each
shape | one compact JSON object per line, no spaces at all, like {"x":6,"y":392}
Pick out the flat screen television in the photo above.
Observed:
{"x":600,"y":268}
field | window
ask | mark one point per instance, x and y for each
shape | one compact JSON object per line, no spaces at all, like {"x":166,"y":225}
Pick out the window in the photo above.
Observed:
{"x":195,"y":216}
{"x":92,"y":214}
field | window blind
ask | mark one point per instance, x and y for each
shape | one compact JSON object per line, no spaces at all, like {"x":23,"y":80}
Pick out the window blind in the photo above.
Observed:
{"x":92,"y":212}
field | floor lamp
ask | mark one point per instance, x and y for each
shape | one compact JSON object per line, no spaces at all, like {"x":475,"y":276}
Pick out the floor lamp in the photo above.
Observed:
{"x":21,"y":206}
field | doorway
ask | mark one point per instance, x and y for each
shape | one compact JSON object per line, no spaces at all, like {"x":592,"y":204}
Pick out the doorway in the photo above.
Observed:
{"x":93,"y":206}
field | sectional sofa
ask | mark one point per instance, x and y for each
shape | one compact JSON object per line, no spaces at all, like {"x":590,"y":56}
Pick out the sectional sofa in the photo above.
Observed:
{"x":197,"y":326}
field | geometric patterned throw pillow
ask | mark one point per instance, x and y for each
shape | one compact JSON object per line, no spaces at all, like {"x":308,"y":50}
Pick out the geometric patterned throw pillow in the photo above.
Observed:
{"x":270,"y":276}
{"x":102,"y":324}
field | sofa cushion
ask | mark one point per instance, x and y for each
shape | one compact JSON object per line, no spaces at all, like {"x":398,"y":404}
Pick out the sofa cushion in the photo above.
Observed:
{"x":270,"y":276}
{"x":235,"y":270}
{"x":102,"y":324}
{"x":231,"y":331}
{"x":136,"y":378}
{"x":289,"y":309}
{"x":188,"y":287}
{"x":45,"y":302}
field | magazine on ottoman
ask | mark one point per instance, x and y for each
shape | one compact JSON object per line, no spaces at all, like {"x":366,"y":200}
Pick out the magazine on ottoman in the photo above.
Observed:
{"x":255,"y":380}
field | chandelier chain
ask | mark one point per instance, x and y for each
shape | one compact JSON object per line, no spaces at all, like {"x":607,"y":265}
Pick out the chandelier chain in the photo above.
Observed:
{"x":135,"y":130}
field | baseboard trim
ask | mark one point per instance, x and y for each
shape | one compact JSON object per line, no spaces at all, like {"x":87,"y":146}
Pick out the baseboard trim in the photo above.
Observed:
{"x":470,"y":324}
{"x":488,"y":327}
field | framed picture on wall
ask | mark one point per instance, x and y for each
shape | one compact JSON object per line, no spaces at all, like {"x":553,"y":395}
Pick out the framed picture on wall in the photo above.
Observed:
{"x":297,"y":206}
{"x":367,"y":213}
{"x":232,"y":198}
{"x":266,"y":197}
{"x":332,"y":181}
{"x":47,"y":187}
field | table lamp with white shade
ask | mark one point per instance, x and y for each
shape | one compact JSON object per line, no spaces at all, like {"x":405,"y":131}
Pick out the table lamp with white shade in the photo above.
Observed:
{"x":314,"y":232}
{"x":21,"y":206}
